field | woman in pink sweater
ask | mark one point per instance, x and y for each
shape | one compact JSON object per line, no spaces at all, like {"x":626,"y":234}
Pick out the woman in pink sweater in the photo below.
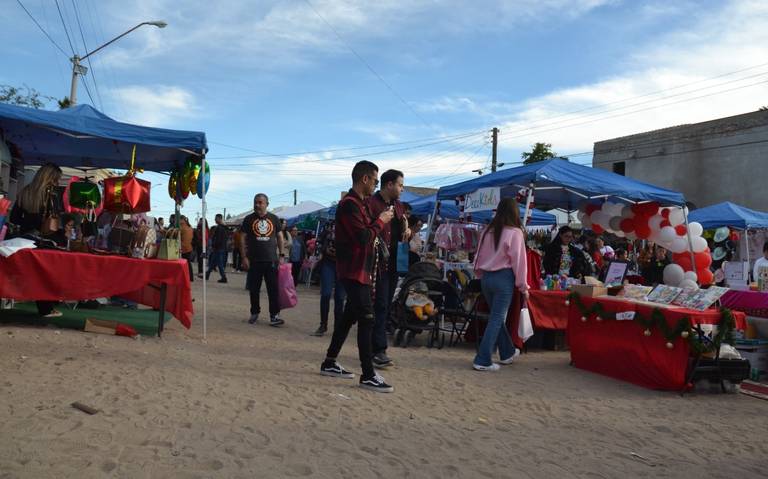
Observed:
{"x":501,"y":265}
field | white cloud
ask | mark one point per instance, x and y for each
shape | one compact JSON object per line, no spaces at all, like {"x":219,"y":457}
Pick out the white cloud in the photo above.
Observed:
{"x":158,"y":105}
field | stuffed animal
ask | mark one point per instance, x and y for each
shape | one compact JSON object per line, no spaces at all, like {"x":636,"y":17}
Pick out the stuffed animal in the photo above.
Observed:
{"x":419,"y":302}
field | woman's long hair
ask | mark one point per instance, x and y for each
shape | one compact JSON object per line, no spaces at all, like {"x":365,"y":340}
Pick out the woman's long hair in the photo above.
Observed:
{"x":33,"y":196}
{"x":507,"y":214}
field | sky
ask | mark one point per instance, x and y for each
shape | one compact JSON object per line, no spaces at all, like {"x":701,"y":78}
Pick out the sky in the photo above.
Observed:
{"x":291,"y":93}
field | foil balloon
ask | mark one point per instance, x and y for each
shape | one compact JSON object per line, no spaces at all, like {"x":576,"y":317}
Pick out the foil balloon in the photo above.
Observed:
{"x":204,"y":177}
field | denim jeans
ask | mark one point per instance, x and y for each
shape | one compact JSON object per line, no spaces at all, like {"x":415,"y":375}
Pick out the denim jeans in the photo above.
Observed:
{"x":328,"y":286}
{"x":217,"y":259}
{"x":498,"y":289}
{"x":381,"y":311}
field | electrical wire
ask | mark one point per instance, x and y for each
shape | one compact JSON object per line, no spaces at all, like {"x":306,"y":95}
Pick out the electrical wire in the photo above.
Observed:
{"x":41,"y":28}
{"x":90,"y":65}
{"x":61,"y":16}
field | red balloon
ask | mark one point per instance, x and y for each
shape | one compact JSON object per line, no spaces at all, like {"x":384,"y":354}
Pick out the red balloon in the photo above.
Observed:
{"x":684,"y":260}
{"x":703,"y":260}
{"x":651,"y":208}
{"x":598,"y":229}
{"x":642,"y":230}
{"x":591,"y":208}
{"x":705,"y":276}
{"x":627,"y":225}
{"x":735,"y":236}
{"x":681,"y":230}
{"x":665,"y":213}
{"x":664,"y":223}
{"x":637,"y":209}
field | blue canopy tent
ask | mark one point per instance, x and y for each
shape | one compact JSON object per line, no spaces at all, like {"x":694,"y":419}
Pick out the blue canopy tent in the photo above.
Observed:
{"x":83,"y":137}
{"x":731,"y":215}
{"x":426,"y":206}
{"x":562,"y":184}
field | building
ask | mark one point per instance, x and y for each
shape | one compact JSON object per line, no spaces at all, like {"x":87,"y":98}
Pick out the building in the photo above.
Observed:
{"x":709,"y":162}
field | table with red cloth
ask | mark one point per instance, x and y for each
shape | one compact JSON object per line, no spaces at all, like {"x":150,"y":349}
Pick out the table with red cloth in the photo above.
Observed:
{"x":548,"y":309}
{"x":620,"y":349}
{"x":52,"y":275}
{"x":753,"y":303}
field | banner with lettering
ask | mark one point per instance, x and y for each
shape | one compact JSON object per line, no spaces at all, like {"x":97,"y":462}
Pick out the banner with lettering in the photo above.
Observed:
{"x":484,"y":199}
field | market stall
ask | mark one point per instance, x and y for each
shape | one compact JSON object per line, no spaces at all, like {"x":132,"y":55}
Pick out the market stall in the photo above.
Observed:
{"x":83,"y":137}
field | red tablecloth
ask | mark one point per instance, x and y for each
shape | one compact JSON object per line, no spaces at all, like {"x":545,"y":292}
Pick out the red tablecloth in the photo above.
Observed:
{"x":548,"y":309}
{"x":619,"y":349}
{"x":754,"y":303}
{"x":49,"y":275}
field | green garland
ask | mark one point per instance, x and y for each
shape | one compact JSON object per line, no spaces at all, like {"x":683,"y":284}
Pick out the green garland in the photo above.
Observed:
{"x":657,"y":321}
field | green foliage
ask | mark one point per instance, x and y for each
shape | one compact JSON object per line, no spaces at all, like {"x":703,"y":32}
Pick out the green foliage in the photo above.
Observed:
{"x":539,"y":152}
{"x":23,"y":96}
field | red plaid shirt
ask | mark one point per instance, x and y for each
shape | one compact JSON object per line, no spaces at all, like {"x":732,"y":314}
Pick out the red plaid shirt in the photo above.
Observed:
{"x":356,"y":232}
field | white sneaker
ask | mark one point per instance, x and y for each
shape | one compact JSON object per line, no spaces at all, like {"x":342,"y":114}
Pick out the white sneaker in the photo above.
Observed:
{"x":510,"y":359}
{"x":492,"y":367}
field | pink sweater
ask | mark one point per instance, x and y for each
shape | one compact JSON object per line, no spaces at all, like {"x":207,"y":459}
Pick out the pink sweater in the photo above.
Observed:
{"x":509,"y":254}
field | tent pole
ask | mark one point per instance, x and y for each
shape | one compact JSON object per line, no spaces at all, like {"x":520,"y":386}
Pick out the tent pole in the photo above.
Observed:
{"x":528,"y":201}
{"x":749,"y":264}
{"x":204,"y":241}
{"x":690,"y":243}
{"x":425,"y":246}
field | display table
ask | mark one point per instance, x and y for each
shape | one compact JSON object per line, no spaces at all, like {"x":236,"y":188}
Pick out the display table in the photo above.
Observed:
{"x":548,"y":309}
{"x":753,"y":303}
{"x":620,"y":349}
{"x":50,"y":275}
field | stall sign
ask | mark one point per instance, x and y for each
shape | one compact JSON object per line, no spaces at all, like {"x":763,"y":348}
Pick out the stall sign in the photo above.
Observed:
{"x":484,"y":199}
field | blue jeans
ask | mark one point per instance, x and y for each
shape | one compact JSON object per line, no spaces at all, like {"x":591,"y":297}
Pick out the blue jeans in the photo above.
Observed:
{"x":217,"y":259}
{"x":381,"y":312}
{"x":328,"y":285}
{"x":498,"y":289}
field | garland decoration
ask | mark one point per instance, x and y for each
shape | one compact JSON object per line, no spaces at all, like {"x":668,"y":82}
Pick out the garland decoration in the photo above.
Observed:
{"x":683,"y":329}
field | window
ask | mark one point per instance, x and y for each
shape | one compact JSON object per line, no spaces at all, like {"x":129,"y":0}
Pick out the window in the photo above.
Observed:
{"x":619,"y":168}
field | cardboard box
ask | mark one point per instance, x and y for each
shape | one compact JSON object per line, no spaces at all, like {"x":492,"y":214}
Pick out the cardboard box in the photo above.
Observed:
{"x":101,"y":326}
{"x":589,"y":290}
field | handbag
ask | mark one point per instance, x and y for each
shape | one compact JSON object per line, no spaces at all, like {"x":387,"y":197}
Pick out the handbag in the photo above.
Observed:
{"x":525,"y":328}
{"x":120,"y":236}
{"x":51,"y":220}
{"x":170,"y":246}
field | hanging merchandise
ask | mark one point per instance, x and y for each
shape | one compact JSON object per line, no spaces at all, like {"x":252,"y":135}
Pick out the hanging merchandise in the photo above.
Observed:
{"x":191,"y":173}
{"x":127,"y":194}
{"x":84,"y":197}
{"x":204,"y":177}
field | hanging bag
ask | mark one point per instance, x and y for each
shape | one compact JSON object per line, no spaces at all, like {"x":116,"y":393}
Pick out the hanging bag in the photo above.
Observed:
{"x":286,"y":289}
{"x":170,"y":246}
{"x":525,"y":327}
{"x":51,"y":218}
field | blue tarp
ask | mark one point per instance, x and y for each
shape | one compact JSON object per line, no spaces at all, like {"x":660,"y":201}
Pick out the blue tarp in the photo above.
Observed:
{"x":82,"y":136}
{"x":563,"y":184}
{"x":448,"y":209}
{"x":729,"y":214}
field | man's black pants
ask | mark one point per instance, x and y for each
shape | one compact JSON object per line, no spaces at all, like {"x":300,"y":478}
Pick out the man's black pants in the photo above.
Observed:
{"x":258,"y":272}
{"x":359,"y":309}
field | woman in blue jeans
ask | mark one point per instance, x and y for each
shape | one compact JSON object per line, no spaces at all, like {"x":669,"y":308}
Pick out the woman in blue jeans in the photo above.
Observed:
{"x":501,"y":265}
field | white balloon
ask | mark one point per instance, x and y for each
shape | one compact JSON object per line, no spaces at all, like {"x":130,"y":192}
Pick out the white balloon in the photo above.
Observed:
{"x":631,"y":236}
{"x":673,"y":274}
{"x":688,"y":284}
{"x":678,"y":245}
{"x":606,"y":208}
{"x":619,"y":233}
{"x":655,"y":222}
{"x":691,"y":276}
{"x":699,"y":244}
{"x":617,"y":209}
{"x":586,"y":222}
{"x":667,"y":234}
{"x":676,"y":216}
{"x":600,"y":218}
{"x":695,"y":229}
{"x":626,"y":212}
{"x":580,"y":215}
{"x":615,"y":224}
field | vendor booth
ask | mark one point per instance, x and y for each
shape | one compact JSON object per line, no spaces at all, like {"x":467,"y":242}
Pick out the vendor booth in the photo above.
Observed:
{"x":84,"y":138}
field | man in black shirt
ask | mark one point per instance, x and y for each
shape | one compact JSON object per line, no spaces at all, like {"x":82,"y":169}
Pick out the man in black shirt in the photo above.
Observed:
{"x":218,"y":257}
{"x":260,"y":258}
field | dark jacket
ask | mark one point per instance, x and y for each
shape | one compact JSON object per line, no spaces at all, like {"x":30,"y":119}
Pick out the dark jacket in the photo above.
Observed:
{"x":579,"y":266}
{"x":356,"y":233}
{"x":392,"y":232}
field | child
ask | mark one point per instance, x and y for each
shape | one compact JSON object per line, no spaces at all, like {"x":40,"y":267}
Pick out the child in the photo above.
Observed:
{"x":419,"y":302}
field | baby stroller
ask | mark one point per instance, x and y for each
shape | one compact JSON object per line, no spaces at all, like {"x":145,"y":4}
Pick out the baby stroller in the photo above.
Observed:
{"x":426,"y":280}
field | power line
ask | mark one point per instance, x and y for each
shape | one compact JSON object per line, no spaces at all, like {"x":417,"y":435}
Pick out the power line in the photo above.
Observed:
{"x":42,"y":29}
{"x":368,"y":66}
{"x":65,"y":28}
{"x":85,"y":46}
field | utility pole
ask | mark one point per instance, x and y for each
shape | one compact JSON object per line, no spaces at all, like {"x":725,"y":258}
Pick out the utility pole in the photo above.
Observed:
{"x":295,"y":196}
{"x":495,"y":137}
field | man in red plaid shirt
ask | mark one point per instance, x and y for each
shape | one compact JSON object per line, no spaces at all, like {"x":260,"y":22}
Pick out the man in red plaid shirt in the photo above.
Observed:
{"x":357,"y":235}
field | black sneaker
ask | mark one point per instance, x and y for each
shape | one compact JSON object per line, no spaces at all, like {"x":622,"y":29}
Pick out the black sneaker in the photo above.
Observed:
{"x":335,"y":370}
{"x":382,"y":361}
{"x":276,"y":321}
{"x":320,"y":331}
{"x":377,"y":384}
{"x":222,"y":280}
{"x":253,"y":318}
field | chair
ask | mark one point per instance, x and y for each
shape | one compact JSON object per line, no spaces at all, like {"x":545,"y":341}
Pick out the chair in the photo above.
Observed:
{"x":476,"y":313}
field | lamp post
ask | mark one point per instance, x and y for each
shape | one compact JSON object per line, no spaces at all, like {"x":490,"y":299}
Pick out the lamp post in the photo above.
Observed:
{"x":78,"y":69}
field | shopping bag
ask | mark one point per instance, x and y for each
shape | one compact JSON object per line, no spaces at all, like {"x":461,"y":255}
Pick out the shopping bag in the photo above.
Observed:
{"x":170,"y":246}
{"x":525,"y":328}
{"x":403,"y":252}
{"x":286,"y":288}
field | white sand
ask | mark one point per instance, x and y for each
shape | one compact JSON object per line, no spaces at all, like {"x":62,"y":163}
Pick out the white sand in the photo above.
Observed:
{"x":250,"y":403}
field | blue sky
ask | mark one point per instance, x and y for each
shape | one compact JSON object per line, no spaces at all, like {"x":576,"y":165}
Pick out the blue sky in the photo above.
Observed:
{"x":294,"y":77}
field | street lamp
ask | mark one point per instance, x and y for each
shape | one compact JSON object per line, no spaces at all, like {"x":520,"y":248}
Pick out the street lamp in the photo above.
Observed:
{"x":78,"y":69}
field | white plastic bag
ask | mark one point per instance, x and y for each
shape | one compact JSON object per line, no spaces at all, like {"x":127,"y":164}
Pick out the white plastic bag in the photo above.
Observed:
{"x":525,"y":328}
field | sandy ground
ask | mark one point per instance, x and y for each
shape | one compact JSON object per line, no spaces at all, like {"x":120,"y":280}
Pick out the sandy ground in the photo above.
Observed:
{"x":250,"y":403}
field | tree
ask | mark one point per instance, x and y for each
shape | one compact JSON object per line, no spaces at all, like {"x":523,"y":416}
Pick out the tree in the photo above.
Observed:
{"x":539,"y":152}
{"x":29,"y":97}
